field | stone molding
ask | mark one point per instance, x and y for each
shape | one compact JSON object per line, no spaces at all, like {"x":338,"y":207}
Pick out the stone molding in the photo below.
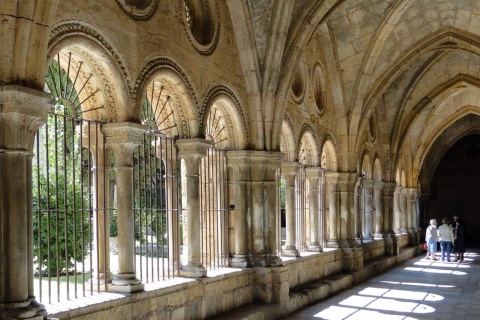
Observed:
{"x":22,"y":112}
{"x":313,"y":172}
{"x":123,"y":137}
{"x":262,"y":165}
{"x":291,"y":168}
{"x":138,"y":12}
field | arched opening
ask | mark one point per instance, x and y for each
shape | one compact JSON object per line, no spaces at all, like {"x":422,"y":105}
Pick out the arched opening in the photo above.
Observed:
{"x":454,"y":186}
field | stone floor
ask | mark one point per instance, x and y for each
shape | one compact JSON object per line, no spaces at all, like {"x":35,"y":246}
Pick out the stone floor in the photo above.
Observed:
{"x":417,"y":289}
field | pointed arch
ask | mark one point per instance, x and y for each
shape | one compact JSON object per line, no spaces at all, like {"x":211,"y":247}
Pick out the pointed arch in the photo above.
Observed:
{"x":308,"y":147}
{"x":328,"y":159}
{"x":288,"y":145}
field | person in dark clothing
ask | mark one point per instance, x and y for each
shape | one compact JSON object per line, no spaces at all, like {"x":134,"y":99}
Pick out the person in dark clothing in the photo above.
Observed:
{"x":460,"y":232}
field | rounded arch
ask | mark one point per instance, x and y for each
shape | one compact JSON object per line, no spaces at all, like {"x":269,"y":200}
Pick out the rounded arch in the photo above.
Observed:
{"x":223,"y":120}
{"x":377,"y":169}
{"x":328,"y":159}
{"x":171,"y":83}
{"x":288,"y":146}
{"x":308,"y":147}
{"x":101,"y":75}
{"x":366,"y":168}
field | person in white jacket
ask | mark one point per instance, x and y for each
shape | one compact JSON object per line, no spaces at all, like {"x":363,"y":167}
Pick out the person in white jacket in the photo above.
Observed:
{"x":445,"y":235}
{"x":431,"y":238}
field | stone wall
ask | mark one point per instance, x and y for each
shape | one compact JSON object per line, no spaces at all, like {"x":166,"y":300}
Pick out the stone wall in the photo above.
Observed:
{"x":207,"y":297}
{"x":373,"y":249}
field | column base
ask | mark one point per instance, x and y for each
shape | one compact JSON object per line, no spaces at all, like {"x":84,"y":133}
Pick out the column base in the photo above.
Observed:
{"x":126,"y":282}
{"x":241,"y":261}
{"x":333,"y":244}
{"x":273,"y":260}
{"x":193,"y":271}
{"x":29,"y":310}
{"x":290,"y":252}
{"x":398,"y":231}
{"x":377,"y":236}
{"x":314,"y":247}
{"x":368,"y":236}
{"x":403,"y":230}
{"x":126,"y":288}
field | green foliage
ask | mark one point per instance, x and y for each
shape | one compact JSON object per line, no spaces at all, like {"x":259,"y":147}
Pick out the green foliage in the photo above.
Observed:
{"x":61,"y":190}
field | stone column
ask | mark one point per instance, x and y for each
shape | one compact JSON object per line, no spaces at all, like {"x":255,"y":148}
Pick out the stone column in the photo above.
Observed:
{"x":358,"y":210}
{"x":290,"y":171}
{"x":404,"y":225}
{"x":346,"y":187}
{"x":241,"y":170}
{"x":397,"y":214}
{"x":192,"y":151}
{"x":167,"y":151}
{"x":123,"y":138}
{"x":331,"y":183}
{"x":412,"y":215}
{"x":22,"y":112}
{"x":368,"y":196}
{"x":313,"y":176}
{"x":94,"y":140}
{"x":378,"y":204}
{"x":388,"y":206}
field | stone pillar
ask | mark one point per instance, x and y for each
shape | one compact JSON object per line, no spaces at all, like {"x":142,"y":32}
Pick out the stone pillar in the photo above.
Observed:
{"x":352,"y":254}
{"x":241,"y":173}
{"x":260,"y":204}
{"x":192,"y":151}
{"x":167,"y":151}
{"x":388,"y":206}
{"x":22,"y":112}
{"x":313,"y":176}
{"x":290,"y":171}
{"x":358,"y":210}
{"x":94,"y":141}
{"x":123,"y":138}
{"x":397,"y":214}
{"x":411,"y":199}
{"x":368,"y":196}
{"x":404,"y":225}
{"x":378,"y":204}
{"x":346,"y":187}
{"x":331,"y":179}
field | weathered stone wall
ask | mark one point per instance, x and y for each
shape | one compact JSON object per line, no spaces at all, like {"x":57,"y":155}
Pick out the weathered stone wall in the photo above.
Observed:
{"x":373,"y":249}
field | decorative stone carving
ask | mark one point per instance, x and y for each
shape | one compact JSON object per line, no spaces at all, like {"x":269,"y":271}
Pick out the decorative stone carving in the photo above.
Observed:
{"x":23,"y":111}
{"x":140,"y":10}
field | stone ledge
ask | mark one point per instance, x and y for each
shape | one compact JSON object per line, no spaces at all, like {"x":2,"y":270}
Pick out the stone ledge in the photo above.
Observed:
{"x":316,"y":291}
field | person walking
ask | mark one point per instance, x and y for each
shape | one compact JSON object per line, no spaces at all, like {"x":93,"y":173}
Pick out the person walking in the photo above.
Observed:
{"x":431,"y":238}
{"x":445,"y":235}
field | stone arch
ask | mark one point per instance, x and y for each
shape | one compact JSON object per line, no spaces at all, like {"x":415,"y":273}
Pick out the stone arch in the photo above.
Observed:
{"x":377,"y":169}
{"x":174,"y":84}
{"x":366,"y":168}
{"x":288,"y":146}
{"x":221,"y":109}
{"x":308,"y":150}
{"x":100,"y":70}
{"x":463,"y":127}
{"x":448,"y":37}
{"x":328,"y":159}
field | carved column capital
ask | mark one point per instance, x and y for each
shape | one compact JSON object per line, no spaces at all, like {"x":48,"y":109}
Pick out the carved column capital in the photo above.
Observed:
{"x":367,"y":183}
{"x":331,"y":179}
{"x":346,"y":181}
{"x":312,"y":173}
{"x":262,"y":164}
{"x":191,"y":151}
{"x":378,"y":185}
{"x":22,"y":112}
{"x":123,"y":138}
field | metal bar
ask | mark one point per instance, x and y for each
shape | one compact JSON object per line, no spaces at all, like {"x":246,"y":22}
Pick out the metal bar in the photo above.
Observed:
{"x":39,"y":213}
{"x":56,"y":209}
{"x":59,"y":76}
{"x":65,"y":202}
{"x":74,"y":82}
{"x":74,"y":207}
